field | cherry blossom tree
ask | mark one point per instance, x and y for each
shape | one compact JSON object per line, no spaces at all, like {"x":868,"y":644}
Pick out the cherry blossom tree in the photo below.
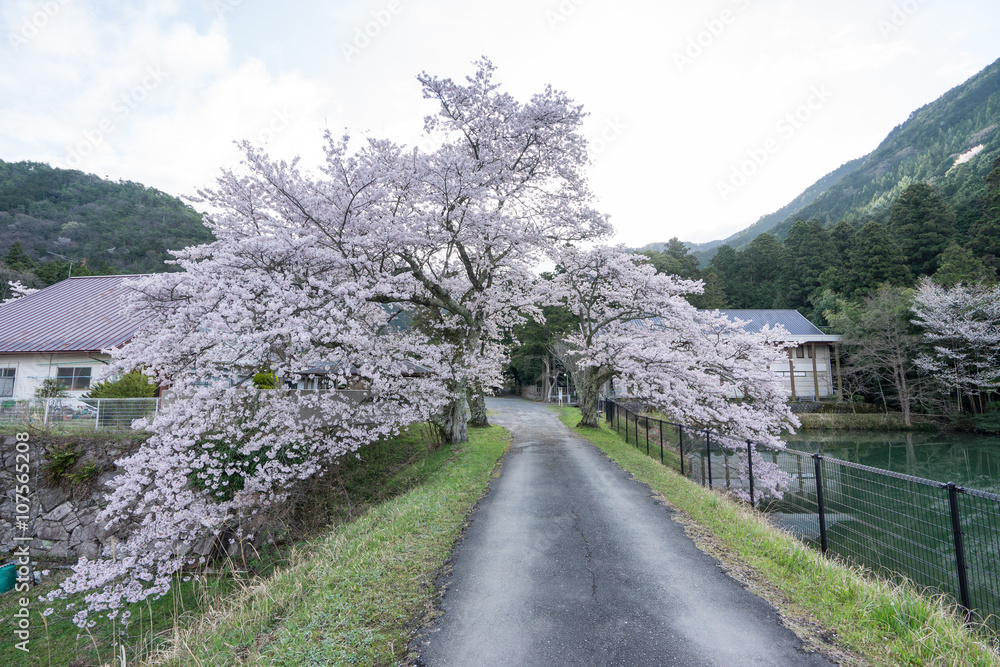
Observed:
{"x":17,"y":290}
{"x":307,"y":281}
{"x":226,"y":448}
{"x":457,"y":229}
{"x":962,"y":325}
{"x":636,"y":327}
{"x":698,"y":367}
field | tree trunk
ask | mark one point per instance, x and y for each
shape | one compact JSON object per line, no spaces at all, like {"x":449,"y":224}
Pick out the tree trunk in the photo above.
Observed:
{"x":588,"y":387}
{"x":904,"y":393}
{"x":477,"y":408}
{"x":451,"y":420}
{"x":547,"y":379}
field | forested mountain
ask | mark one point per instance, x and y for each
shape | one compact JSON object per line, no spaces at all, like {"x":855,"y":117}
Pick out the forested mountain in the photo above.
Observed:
{"x":950,"y":144}
{"x":926,"y":202}
{"x":706,"y":251}
{"x":103,"y":226}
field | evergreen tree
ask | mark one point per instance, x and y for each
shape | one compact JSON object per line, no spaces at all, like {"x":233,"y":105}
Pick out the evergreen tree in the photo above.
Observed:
{"x":724,"y":265}
{"x":874,"y":259}
{"x":675,"y":260}
{"x":762,"y":266}
{"x":923,"y":224}
{"x":18,"y":260}
{"x":842,"y":238}
{"x":960,"y":265}
{"x":809,"y":252}
{"x":751,"y":278}
{"x":714,"y":295}
{"x":985,"y":233}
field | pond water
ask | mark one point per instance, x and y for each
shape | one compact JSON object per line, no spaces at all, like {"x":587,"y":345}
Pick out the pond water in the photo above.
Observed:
{"x":971,"y":461}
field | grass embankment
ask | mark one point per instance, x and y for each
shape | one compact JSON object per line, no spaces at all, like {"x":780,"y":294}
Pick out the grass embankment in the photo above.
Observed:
{"x":355,"y":594}
{"x":891,"y":421}
{"x":883,"y":623}
{"x":350,"y":594}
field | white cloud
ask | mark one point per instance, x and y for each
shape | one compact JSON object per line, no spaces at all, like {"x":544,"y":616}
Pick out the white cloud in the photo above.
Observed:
{"x":194,"y":76}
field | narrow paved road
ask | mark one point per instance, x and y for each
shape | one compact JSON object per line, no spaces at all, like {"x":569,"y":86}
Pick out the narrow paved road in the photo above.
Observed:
{"x":568,"y":561}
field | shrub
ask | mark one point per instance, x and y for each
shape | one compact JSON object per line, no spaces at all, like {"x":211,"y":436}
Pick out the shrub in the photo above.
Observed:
{"x":130,"y":385}
{"x":50,"y":388}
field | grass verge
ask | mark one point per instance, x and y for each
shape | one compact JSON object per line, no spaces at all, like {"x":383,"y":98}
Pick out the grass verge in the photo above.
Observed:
{"x":354,"y":501}
{"x":354,"y":595}
{"x":865,"y":422}
{"x":863,"y":619}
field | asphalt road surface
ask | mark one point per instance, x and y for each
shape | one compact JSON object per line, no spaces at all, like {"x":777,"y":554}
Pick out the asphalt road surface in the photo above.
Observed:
{"x":569,"y":561}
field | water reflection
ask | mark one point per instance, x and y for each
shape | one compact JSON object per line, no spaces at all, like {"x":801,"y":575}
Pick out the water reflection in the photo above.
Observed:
{"x":968,"y":460}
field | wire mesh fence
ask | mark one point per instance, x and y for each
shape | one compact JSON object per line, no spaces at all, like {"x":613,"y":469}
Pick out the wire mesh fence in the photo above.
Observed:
{"x":942,"y":537}
{"x":78,"y":413}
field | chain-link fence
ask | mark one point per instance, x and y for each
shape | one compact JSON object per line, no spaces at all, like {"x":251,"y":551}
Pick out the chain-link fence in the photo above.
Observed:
{"x":942,"y":537}
{"x":78,"y":413}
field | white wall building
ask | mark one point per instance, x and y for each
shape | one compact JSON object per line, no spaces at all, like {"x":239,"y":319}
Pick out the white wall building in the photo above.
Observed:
{"x":812,"y":370}
{"x":59,"y":332}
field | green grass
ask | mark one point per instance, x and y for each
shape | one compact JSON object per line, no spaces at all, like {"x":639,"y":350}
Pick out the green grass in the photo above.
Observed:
{"x":892,"y":421}
{"x":354,"y":595}
{"x":345,"y":516}
{"x":858,"y":614}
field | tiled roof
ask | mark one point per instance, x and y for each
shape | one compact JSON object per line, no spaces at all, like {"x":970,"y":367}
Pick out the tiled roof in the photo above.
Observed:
{"x":793,"y":321}
{"x":80,"y":314}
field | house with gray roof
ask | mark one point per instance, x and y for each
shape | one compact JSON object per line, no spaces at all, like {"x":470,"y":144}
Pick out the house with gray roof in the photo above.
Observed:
{"x":813,"y":370}
{"x":59,"y":332}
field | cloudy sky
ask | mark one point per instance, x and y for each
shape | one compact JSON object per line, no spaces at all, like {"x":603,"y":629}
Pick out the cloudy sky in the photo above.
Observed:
{"x":703,"y":115}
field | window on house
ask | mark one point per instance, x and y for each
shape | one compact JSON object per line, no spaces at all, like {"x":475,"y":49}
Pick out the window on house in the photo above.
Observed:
{"x":800,"y":352}
{"x":7,"y":382}
{"x":73,"y":379}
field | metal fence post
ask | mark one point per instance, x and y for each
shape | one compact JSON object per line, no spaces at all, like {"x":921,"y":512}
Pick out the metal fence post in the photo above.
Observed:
{"x":818,"y":461}
{"x":647,"y":436}
{"x":963,"y":574}
{"x":680,"y":446}
{"x":750,"y":471}
{"x":97,"y":417}
{"x":660,"y":422}
{"x":708,"y":456}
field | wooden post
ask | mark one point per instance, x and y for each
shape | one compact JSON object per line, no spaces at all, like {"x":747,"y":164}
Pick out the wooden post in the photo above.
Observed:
{"x":840,"y":382}
{"x":812,"y":348}
{"x":791,"y":371}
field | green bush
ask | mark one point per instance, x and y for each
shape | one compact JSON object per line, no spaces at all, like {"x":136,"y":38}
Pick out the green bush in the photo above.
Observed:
{"x":130,"y":385}
{"x":50,"y":388}
{"x":60,"y":459}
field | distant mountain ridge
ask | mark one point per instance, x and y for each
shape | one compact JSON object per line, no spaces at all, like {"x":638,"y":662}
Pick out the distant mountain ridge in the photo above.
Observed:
{"x":123,"y":225}
{"x":949,"y":143}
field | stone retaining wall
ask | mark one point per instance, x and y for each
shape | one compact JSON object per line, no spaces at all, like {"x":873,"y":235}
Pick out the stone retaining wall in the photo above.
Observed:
{"x":63,"y":517}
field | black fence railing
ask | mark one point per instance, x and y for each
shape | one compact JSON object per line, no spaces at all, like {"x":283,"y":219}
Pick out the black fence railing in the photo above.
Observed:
{"x":942,"y":537}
